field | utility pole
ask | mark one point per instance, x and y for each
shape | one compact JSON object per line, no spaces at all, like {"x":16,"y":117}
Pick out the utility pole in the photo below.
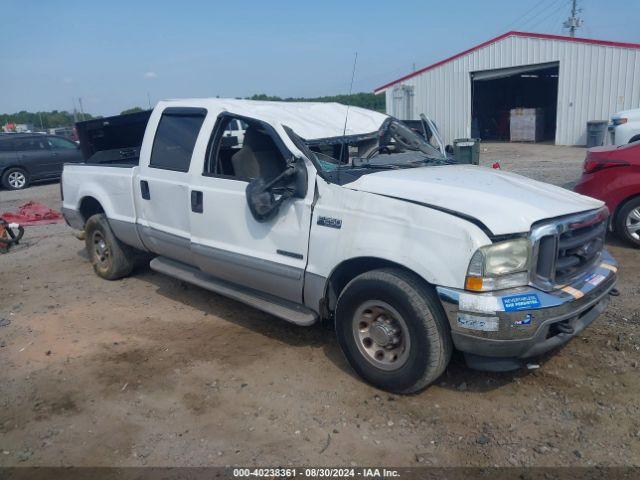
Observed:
{"x":573,"y":22}
{"x":81,"y":109}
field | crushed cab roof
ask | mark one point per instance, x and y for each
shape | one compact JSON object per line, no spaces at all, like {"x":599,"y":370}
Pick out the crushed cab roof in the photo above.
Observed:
{"x":309,"y":120}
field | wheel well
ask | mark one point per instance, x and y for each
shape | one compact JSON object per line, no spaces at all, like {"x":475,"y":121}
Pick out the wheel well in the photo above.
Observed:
{"x":614,"y":216}
{"x":350,"y":269}
{"x":21,"y":167}
{"x":634,"y":138}
{"x":90,"y":206}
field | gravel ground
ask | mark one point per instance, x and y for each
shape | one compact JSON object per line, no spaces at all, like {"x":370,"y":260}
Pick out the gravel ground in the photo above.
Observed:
{"x":149,"y":371}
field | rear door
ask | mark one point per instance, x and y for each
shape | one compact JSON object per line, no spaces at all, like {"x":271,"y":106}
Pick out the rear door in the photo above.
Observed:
{"x":162,"y":187}
{"x":34,"y":155}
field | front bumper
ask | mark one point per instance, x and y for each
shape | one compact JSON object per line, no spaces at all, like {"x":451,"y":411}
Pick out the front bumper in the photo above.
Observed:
{"x":499,"y":330}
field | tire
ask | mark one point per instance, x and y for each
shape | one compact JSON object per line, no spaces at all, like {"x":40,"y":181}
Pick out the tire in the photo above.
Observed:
{"x":395,"y":313}
{"x":15,"y":178}
{"x":111,"y":259}
{"x":626,"y":223}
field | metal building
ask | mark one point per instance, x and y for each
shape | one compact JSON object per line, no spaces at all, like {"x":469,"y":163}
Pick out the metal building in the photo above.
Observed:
{"x":573,"y":80}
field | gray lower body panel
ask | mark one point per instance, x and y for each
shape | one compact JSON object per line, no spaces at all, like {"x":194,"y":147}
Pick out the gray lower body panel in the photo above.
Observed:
{"x":167,"y":245}
{"x":289,"y":311}
{"x":73,"y":218}
{"x":273,"y":278}
{"x":127,"y":232}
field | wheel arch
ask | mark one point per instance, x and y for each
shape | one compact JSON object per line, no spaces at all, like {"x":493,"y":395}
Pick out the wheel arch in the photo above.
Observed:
{"x":614,"y":215}
{"x":349,"y":269}
{"x":635,"y":138}
{"x":89,"y":206}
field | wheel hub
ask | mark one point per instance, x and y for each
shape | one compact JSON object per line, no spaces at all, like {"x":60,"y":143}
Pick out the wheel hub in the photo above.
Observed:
{"x":384,"y":334}
{"x":381,"y":335}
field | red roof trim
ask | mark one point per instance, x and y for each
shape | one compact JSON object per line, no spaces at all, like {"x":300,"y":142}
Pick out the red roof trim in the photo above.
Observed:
{"x":503,"y":36}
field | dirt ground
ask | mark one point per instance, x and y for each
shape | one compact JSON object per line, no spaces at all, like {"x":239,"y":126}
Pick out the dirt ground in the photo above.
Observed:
{"x":149,"y":371}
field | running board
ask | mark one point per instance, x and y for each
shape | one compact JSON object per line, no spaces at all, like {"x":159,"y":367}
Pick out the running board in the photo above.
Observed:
{"x":289,"y":311}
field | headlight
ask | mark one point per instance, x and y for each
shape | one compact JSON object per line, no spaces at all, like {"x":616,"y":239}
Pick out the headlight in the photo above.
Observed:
{"x":498,"y":266}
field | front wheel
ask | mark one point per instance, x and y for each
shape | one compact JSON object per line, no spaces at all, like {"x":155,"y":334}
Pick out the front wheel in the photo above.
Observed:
{"x":111,"y":259}
{"x":393,"y":330}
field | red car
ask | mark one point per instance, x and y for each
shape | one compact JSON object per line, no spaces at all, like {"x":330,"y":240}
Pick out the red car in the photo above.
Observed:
{"x":612,"y":174}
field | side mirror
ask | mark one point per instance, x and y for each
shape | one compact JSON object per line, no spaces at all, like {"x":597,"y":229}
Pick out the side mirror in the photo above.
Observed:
{"x":264,"y":198}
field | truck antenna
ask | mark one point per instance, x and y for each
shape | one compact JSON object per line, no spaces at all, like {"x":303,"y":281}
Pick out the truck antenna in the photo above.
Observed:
{"x":346,"y":117}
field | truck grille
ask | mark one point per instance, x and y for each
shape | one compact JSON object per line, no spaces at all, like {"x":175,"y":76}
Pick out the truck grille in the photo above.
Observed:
{"x":567,"y":247}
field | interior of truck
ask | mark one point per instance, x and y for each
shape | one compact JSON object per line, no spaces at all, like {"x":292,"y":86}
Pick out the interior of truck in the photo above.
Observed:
{"x":245,"y":151}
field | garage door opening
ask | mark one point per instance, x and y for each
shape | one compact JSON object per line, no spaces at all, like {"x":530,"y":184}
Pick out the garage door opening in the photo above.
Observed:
{"x":495,"y":92}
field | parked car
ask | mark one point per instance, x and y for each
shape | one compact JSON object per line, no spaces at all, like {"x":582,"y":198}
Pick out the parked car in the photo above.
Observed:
{"x":346,"y":215}
{"x":625,"y":127}
{"x":612,"y":174}
{"x":26,"y":158}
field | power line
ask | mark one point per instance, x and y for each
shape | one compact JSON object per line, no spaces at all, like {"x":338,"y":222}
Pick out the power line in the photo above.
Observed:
{"x":552,"y":13}
{"x":515,"y":22}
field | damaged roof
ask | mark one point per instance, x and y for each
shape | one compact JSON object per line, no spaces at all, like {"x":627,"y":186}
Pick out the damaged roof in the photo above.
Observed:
{"x":309,"y":120}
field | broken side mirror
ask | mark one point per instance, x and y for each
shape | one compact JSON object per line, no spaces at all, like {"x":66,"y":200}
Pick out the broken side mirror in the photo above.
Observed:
{"x":264,"y":198}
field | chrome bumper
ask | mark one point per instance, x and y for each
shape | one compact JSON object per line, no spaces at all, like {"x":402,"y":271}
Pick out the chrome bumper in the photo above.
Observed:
{"x":497,"y":330}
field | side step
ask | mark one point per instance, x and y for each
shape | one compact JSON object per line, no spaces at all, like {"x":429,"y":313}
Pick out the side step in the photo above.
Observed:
{"x":289,"y":311}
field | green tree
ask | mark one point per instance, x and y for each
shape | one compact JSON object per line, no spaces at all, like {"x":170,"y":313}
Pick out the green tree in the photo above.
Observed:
{"x":131,"y":110}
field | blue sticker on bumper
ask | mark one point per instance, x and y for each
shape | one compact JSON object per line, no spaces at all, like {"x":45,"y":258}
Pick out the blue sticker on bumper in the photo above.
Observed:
{"x":520,"y":302}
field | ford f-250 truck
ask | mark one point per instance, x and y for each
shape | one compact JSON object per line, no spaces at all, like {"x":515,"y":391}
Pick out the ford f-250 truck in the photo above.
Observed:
{"x":324,"y":212}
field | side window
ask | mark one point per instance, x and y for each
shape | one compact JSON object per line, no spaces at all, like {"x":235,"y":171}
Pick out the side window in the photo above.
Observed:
{"x":32,"y":143}
{"x":175,"y":138}
{"x":248,"y":153}
{"x":61,"y":144}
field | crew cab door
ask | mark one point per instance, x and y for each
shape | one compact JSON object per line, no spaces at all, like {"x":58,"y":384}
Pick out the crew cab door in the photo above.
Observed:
{"x":162,"y":188}
{"x":226,"y":240}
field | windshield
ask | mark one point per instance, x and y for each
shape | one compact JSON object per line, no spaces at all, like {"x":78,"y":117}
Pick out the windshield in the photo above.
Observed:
{"x":394,"y":145}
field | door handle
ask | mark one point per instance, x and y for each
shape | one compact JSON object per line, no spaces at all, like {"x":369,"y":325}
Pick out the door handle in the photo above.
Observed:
{"x":144,"y":190}
{"x":196,"y":201}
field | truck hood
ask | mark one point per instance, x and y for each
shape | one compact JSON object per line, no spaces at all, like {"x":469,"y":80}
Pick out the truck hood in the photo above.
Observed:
{"x":504,"y":202}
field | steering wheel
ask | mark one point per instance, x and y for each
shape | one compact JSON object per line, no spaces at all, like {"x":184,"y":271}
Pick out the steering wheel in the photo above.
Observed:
{"x":401,"y":137}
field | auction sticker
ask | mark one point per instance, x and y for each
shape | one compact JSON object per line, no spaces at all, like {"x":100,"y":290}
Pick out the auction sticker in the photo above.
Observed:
{"x":520,"y":302}
{"x":594,"y":279}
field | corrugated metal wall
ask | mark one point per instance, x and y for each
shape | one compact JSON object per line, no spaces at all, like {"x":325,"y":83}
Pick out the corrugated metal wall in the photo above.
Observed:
{"x":594,"y":82}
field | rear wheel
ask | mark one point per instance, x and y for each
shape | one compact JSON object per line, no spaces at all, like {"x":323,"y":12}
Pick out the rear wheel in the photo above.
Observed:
{"x":393,"y":330}
{"x":627,"y":222}
{"x":15,"y":178}
{"x":111,"y":259}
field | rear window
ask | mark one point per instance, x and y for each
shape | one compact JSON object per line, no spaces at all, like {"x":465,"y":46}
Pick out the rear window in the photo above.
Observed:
{"x":175,"y":138}
{"x":31,"y":143}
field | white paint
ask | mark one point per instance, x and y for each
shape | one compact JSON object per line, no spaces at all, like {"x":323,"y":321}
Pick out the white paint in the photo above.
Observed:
{"x":434,"y":244}
{"x":625,"y":132}
{"x":594,"y":82}
{"x":505,"y":202}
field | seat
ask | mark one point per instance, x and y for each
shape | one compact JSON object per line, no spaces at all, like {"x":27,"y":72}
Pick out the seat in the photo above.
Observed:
{"x":258,"y":158}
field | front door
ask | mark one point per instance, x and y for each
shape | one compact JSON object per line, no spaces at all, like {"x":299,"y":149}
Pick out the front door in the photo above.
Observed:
{"x":63,"y":151}
{"x":162,"y":188}
{"x":227,"y":241}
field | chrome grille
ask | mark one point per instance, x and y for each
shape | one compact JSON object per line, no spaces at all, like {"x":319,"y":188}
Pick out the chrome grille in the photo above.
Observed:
{"x":566,"y":247}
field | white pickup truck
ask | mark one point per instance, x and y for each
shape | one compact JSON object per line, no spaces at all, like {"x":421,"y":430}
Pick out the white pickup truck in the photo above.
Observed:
{"x":324,"y":212}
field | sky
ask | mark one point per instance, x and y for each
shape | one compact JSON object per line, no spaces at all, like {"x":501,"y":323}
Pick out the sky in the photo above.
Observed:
{"x":118,"y":54}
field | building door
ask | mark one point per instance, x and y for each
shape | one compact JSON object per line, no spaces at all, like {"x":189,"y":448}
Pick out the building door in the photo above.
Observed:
{"x":403,"y":102}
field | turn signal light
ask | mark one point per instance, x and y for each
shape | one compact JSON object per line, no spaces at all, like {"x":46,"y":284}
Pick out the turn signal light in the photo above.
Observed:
{"x":473,"y":283}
